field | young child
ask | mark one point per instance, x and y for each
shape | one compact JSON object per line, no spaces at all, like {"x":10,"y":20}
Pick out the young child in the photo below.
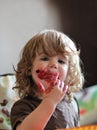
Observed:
{"x":47,"y":74}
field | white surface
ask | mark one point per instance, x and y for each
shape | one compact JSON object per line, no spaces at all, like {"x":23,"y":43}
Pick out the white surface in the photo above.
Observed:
{"x":19,"y":21}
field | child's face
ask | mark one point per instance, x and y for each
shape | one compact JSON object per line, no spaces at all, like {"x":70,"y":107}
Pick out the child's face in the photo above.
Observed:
{"x":47,"y":69}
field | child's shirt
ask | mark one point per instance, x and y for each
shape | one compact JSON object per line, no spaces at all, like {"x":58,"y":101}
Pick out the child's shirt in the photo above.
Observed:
{"x":66,"y":114}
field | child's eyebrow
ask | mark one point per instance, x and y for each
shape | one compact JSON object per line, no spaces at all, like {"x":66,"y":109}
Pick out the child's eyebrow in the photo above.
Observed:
{"x":41,"y":53}
{"x":65,"y":57}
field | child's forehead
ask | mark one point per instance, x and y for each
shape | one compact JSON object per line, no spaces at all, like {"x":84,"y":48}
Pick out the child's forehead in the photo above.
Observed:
{"x":51,"y":51}
{"x":51,"y":47}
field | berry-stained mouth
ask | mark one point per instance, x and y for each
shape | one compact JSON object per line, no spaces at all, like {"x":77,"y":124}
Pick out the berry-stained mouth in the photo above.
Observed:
{"x":47,"y":74}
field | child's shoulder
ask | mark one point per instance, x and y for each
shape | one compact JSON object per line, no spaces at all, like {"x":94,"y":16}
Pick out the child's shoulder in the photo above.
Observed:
{"x":75,"y":104}
{"x":27,"y":101}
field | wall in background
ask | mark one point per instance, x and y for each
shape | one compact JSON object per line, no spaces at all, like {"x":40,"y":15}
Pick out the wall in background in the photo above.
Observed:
{"x":79,"y":21}
{"x":19,"y":21}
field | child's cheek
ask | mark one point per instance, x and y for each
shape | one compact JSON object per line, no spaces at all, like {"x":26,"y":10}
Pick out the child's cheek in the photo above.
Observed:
{"x":62,"y":75}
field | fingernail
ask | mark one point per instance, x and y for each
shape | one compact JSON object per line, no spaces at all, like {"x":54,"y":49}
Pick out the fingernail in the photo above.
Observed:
{"x":65,"y":88}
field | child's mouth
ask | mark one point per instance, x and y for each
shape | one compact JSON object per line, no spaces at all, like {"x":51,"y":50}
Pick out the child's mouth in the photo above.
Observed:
{"x":47,"y":75}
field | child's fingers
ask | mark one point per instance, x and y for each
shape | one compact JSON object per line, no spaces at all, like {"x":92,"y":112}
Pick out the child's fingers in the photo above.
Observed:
{"x":52,"y":85}
{"x":41,"y":87}
{"x":65,"y":88}
{"x":61,"y":84}
{"x":48,"y":89}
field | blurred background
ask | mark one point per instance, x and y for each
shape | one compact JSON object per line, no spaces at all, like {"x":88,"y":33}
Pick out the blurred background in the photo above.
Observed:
{"x":21,"y":19}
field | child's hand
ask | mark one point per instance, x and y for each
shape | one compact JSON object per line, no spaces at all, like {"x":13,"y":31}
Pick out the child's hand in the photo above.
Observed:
{"x":54,"y":93}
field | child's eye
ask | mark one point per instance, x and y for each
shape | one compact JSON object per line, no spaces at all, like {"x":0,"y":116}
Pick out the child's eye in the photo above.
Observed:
{"x":45,"y":58}
{"x":61,"y":61}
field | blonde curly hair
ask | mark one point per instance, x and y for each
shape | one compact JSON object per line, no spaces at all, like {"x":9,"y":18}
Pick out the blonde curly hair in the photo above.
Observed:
{"x":51,"y":42}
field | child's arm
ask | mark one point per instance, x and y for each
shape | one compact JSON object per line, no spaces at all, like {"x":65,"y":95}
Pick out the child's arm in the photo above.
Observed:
{"x":38,"y":119}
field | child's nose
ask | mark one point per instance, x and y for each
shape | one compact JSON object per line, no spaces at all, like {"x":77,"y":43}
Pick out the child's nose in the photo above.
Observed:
{"x":53,"y":65}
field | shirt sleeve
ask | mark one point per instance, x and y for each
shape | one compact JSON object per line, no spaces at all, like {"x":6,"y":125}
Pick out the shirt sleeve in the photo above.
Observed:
{"x":78,"y":111}
{"x":19,"y":111}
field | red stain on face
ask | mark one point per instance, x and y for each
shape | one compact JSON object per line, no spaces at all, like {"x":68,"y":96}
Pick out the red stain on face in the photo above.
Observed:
{"x":47,"y":75}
